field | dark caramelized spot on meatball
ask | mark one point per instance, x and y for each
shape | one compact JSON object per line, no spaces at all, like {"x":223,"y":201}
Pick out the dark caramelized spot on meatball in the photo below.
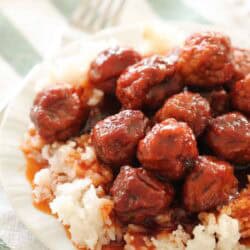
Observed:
{"x":211,"y":183}
{"x":138,"y":195}
{"x":205,"y":60}
{"x":240,"y":95}
{"x":147,"y":83}
{"x":228,"y":136}
{"x":169,"y":149}
{"x":187,"y":107}
{"x":58,"y":113}
{"x":219,"y":101}
{"x":116,"y":137}
{"x":109,"y":64}
{"x":241,"y":62}
{"x":108,"y":106}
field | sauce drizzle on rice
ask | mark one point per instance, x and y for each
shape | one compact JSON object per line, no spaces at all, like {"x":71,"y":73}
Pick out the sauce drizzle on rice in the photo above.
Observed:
{"x":32,"y":167}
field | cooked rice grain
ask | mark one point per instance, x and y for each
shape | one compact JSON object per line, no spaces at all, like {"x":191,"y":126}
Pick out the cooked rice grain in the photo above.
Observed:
{"x":88,"y":216}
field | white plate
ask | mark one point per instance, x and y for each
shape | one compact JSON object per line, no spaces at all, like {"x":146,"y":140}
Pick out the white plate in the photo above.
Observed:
{"x":16,"y":118}
{"x":233,"y":13}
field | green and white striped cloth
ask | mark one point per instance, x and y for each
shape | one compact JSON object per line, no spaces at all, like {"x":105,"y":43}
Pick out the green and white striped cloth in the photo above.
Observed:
{"x":29,"y":31}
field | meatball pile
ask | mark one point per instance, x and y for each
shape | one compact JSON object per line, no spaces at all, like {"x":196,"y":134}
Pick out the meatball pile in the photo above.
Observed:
{"x":174,"y":132}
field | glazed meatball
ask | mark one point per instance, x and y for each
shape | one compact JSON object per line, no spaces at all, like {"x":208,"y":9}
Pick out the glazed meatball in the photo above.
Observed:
{"x":241,"y":62}
{"x":169,"y":149}
{"x":147,"y":83}
{"x":205,"y":60}
{"x":109,"y":64}
{"x":240,"y":95}
{"x":219,"y":101}
{"x":138,"y":195}
{"x":116,"y":137}
{"x":210,"y":184}
{"x":187,"y":107}
{"x":57,"y":113}
{"x":228,"y":136}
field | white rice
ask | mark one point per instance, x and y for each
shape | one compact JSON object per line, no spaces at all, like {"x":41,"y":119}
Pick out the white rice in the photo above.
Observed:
{"x":89,"y":155}
{"x":67,"y":162}
{"x":220,"y":234}
{"x":57,"y":156}
{"x":212,"y":234}
{"x":96,"y":97}
{"x":58,"y":171}
{"x":78,"y":206}
{"x":43,"y":190}
{"x":174,"y":241}
{"x":130,"y":239}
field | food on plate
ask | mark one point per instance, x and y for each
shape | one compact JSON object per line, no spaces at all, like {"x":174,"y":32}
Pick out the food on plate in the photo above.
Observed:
{"x":108,"y":66}
{"x":57,"y":113}
{"x":241,"y":95}
{"x":138,"y":195}
{"x":148,"y":152}
{"x":205,"y":60}
{"x":219,"y":101}
{"x":210,"y":183}
{"x":169,"y":148}
{"x":116,"y":137}
{"x":239,"y":209}
{"x":229,"y":137}
{"x":188,"y":107}
{"x":108,"y":106}
{"x":148,"y":82}
{"x":241,"y":62}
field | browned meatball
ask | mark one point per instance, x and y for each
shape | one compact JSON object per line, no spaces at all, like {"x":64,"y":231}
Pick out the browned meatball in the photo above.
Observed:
{"x":138,"y":195}
{"x":109,"y":64}
{"x":210,"y":184}
{"x":219,"y":101}
{"x":241,"y":62}
{"x":147,"y":83}
{"x":205,"y":60}
{"x":169,"y":148}
{"x":57,"y":113}
{"x":229,"y":137}
{"x":116,"y":137}
{"x":240,"y":95}
{"x":187,"y":107}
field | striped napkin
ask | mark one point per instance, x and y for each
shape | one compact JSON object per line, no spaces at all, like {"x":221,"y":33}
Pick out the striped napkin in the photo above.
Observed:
{"x":29,"y":32}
